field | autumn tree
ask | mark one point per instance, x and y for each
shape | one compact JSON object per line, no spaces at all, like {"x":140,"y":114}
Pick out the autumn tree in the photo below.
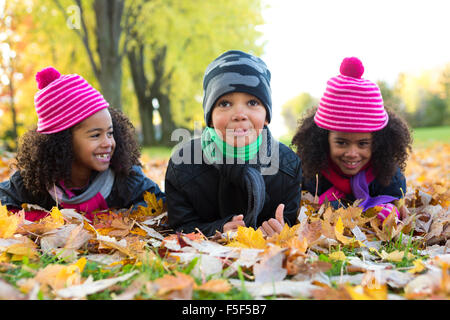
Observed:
{"x":293,"y":109}
{"x":14,"y":67}
{"x":167,"y":45}
{"x":109,"y":45}
{"x":171,"y":43}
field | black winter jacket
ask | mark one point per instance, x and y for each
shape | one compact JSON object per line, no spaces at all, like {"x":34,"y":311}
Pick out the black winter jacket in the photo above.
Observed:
{"x":395,"y":188}
{"x":124,"y":193}
{"x":192,"y":193}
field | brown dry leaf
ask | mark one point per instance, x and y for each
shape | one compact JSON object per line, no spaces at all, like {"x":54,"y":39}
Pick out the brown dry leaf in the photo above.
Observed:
{"x":310,"y":231}
{"x":327,"y":293}
{"x":178,"y":286}
{"x":305,"y":270}
{"x":120,"y":227}
{"x":389,"y":228}
{"x":78,"y":237}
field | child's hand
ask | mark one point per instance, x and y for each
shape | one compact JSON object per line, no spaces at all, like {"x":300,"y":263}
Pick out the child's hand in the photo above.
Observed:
{"x":273,"y":226}
{"x":234,"y":223}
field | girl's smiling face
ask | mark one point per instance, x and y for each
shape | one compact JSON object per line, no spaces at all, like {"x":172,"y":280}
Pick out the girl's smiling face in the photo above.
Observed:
{"x":238,"y":118}
{"x":350,"y":151}
{"x":93,"y":146}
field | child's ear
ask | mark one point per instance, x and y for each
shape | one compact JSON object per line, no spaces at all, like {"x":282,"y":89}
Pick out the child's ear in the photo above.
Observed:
{"x":266,"y":123}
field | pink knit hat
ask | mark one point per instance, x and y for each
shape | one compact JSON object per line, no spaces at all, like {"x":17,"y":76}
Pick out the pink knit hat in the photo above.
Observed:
{"x":350,"y":103}
{"x":63,"y":101}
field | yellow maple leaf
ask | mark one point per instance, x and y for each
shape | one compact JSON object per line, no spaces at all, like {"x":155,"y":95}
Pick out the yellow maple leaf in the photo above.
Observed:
{"x":57,"y":216}
{"x":8,"y":223}
{"x":154,"y":207}
{"x":248,"y":238}
{"x":339,"y":232}
{"x":284,"y":236}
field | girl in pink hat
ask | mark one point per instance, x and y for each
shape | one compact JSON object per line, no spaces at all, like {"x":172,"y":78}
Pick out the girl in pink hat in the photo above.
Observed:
{"x":82,"y":155}
{"x":351,"y":146}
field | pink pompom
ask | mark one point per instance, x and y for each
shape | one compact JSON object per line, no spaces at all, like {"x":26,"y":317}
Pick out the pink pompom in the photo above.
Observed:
{"x":352,"y":67}
{"x":46,"y":76}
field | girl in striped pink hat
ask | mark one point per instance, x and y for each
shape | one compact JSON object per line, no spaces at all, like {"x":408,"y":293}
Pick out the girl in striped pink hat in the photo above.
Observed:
{"x":351,"y":146}
{"x":82,"y":155}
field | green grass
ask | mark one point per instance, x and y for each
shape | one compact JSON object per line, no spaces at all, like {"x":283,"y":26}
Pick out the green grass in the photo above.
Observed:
{"x":425,"y":136}
{"x":157,"y":152}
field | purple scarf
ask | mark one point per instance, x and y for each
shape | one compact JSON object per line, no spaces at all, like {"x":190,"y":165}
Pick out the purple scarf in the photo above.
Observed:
{"x":360,"y":189}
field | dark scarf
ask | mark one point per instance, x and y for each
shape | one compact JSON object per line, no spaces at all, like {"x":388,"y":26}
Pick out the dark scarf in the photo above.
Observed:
{"x":246,"y":174}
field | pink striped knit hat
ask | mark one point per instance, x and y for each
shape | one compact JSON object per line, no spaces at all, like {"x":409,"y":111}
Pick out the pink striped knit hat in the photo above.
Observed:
{"x":350,"y":103}
{"x":64,"y":100}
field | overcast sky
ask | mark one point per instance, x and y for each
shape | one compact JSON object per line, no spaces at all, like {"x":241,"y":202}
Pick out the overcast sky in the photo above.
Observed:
{"x":307,"y":40}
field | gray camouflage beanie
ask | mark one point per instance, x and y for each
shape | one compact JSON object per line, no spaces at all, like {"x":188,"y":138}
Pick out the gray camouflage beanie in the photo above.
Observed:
{"x":236,"y":71}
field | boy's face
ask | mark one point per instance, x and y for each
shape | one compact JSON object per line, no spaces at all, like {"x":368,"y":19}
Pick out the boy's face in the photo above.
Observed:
{"x":93,"y":145}
{"x":238,"y":118}
{"x":350,"y":151}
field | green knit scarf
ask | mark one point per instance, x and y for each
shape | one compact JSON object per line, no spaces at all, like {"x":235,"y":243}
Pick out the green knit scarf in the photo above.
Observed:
{"x":211,"y":141}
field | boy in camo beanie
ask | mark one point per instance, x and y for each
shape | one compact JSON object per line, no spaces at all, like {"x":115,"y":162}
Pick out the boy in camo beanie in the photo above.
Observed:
{"x":231,"y":187}
{"x":236,"y":71}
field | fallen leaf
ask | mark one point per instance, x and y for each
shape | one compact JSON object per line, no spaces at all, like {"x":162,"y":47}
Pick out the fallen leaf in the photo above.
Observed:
{"x":215,"y":285}
{"x":89,"y":286}
{"x":178,"y":286}
{"x":418,"y":266}
{"x":378,"y":292}
{"x":248,"y":238}
{"x":8,"y":223}
{"x":338,"y":256}
{"x":270,"y":268}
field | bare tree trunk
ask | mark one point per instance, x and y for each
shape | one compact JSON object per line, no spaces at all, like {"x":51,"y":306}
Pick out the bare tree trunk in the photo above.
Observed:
{"x":14,"y":134}
{"x":160,"y":90}
{"x":108,"y":32}
{"x":140,"y":82}
{"x":167,"y":123}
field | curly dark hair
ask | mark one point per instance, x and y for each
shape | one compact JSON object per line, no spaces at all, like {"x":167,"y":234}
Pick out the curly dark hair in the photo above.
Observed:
{"x":44,"y":159}
{"x":390,"y":147}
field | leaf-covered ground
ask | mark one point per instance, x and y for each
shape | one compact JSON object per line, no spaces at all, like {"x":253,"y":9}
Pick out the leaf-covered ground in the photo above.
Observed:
{"x":329,"y":254}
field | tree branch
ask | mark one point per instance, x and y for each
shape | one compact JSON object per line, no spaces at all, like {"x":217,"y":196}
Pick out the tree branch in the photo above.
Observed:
{"x":84,"y":37}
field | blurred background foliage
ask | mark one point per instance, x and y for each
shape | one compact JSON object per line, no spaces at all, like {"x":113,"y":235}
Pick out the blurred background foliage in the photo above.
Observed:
{"x":147,"y":57}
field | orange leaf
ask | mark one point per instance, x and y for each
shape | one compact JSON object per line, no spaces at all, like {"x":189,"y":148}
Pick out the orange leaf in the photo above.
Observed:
{"x":178,"y":286}
{"x":215,"y":285}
